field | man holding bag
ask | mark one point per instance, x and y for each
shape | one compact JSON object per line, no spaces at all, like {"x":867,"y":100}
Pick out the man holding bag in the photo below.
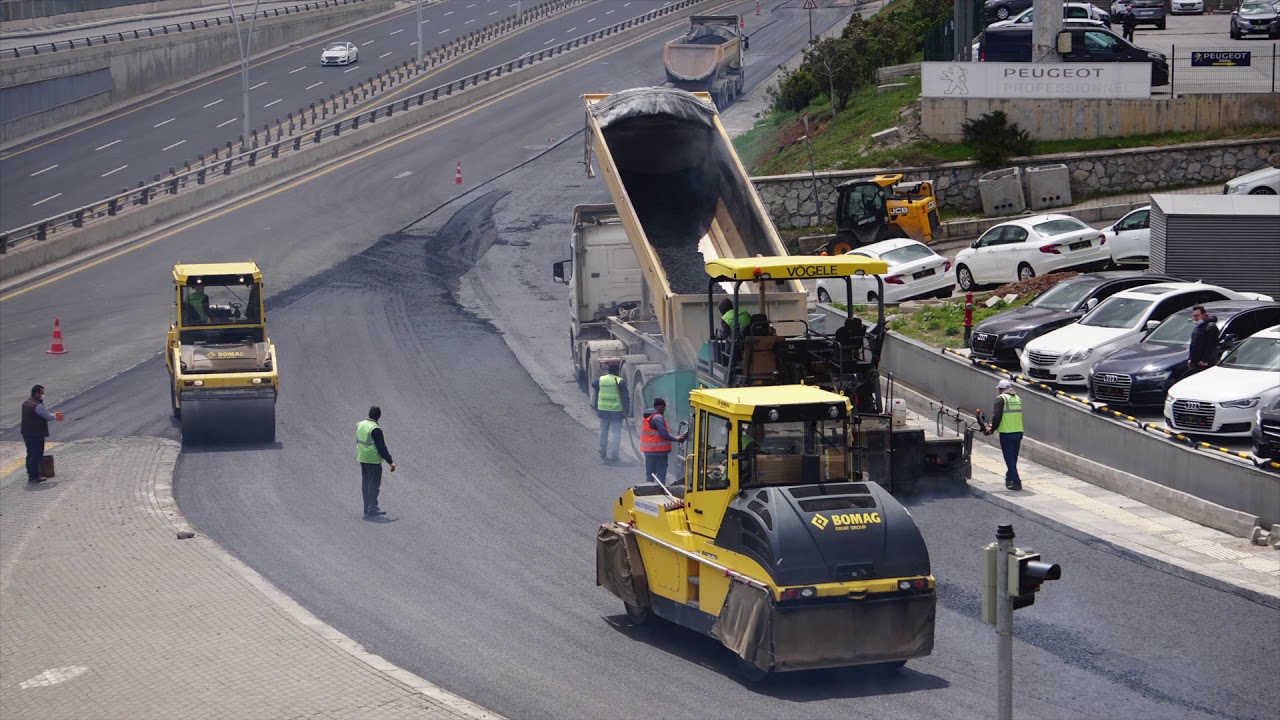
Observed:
{"x":35,"y":428}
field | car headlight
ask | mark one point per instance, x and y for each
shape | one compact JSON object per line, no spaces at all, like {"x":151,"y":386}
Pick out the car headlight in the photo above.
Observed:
{"x":1076,"y":356}
{"x":1153,"y":376}
{"x":1009,"y":337}
{"x":1242,"y":404}
{"x":1155,"y":56}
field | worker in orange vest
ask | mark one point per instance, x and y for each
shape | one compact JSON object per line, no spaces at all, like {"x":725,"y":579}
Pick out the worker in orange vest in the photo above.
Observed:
{"x":655,"y":441}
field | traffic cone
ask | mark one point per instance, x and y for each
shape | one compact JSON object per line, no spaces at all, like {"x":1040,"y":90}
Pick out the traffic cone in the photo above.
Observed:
{"x":742,"y":23}
{"x":457,"y":178}
{"x":757,"y":8}
{"x":56,"y":347}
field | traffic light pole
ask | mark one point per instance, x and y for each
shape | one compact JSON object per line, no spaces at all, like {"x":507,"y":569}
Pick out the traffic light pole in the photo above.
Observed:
{"x":1004,"y":625}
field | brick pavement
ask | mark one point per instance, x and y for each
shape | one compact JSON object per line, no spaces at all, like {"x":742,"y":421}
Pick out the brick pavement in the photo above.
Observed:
{"x":105,"y":613}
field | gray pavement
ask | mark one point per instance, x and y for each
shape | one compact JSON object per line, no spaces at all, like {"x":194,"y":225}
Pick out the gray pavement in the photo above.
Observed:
{"x":107,"y":614}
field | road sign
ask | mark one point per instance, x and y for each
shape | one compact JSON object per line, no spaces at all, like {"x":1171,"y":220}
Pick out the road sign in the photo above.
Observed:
{"x":810,"y":5}
{"x":1220,"y":58}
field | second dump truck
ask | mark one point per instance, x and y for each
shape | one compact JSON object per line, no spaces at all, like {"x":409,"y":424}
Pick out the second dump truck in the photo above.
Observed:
{"x":708,"y":58}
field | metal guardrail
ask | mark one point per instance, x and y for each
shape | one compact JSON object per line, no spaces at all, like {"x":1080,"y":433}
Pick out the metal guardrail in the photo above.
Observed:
{"x":301,"y":136}
{"x":162,"y":30}
{"x":1103,"y":409}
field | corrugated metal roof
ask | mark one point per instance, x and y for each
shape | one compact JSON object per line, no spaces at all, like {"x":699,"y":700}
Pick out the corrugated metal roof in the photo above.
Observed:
{"x":1218,"y":205}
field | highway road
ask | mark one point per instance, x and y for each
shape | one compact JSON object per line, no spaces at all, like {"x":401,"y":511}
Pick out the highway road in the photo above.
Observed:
{"x":388,"y":284}
{"x":105,"y":155}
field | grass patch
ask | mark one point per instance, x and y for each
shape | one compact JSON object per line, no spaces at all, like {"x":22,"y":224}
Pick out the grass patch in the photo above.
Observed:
{"x":937,"y":325}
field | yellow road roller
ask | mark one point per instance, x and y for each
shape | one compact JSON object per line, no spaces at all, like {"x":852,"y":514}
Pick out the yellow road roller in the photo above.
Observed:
{"x":223,"y":373}
{"x":769,"y":543}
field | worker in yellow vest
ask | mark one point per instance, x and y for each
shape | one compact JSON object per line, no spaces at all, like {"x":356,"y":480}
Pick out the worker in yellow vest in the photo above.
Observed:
{"x":371,"y":450}
{"x":1007,"y":420}
{"x":612,"y":405}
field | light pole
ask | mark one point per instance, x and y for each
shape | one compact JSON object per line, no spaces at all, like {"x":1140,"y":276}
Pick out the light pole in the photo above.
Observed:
{"x":244,"y":43}
{"x":420,"y":33}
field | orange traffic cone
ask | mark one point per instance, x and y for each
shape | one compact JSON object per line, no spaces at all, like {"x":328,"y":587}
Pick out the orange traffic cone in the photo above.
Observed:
{"x":757,"y":8}
{"x":56,"y":347}
{"x":457,"y":178}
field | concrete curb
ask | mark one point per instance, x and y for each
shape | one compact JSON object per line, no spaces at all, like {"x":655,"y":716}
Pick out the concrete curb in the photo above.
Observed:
{"x":140,"y":220}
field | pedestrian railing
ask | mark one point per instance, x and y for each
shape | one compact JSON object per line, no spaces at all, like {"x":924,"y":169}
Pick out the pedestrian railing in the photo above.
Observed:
{"x":301,"y":132}
{"x":1240,"y":68}
{"x":162,"y":30}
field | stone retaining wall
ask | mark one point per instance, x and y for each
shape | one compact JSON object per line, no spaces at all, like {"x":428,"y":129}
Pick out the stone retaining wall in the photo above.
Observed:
{"x":789,"y":198}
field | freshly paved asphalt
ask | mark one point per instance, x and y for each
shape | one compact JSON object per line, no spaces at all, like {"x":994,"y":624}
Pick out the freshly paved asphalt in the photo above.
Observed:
{"x":482,"y":577}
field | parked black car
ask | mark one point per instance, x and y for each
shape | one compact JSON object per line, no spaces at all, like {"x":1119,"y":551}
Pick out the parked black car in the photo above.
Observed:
{"x":1266,"y":432}
{"x":1000,"y":338}
{"x":993,"y":10}
{"x":1141,"y":375}
{"x":1088,"y":44}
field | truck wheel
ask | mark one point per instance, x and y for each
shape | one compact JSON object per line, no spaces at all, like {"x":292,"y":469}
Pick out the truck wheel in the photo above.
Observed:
{"x":751,"y":673}
{"x":636,"y":615}
{"x":579,"y":372}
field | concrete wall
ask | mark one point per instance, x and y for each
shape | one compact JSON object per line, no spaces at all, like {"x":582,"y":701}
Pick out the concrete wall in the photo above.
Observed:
{"x":140,"y":66}
{"x":31,"y":13}
{"x":942,"y":118}
{"x":789,"y":198}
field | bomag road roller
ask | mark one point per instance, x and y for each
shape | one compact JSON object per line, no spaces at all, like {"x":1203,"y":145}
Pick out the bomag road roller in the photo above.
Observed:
{"x":768,"y":545}
{"x":223,"y":374}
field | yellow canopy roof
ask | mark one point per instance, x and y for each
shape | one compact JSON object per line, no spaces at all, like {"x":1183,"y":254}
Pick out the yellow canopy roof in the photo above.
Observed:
{"x":795,"y":267}
{"x":181,"y":272}
{"x":744,"y":400}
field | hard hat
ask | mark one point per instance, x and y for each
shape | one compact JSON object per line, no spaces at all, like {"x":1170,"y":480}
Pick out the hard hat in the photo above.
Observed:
{"x":1004,"y":385}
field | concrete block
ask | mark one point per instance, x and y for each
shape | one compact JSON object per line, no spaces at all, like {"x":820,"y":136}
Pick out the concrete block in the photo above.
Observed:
{"x":992,"y":301}
{"x":1010,"y":297}
{"x":889,"y":86}
{"x":887,"y":137}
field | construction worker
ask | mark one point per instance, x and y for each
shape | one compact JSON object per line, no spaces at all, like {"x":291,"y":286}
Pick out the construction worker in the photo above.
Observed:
{"x":612,"y":405}
{"x":371,"y":450}
{"x":732,"y":320}
{"x":199,"y":302}
{"x":1007,"y":420}
{"x":655,"y":441}
{"x":35,"y":428}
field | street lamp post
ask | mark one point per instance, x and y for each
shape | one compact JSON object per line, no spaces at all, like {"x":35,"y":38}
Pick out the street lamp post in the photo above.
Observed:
{"x":420,"y":51}
{"x":244,"y":43}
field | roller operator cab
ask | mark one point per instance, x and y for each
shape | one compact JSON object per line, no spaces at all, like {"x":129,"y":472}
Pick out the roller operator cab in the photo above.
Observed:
{"x":768,"y":545}
{"x":883,"y":208}
{"x":223,"y":372}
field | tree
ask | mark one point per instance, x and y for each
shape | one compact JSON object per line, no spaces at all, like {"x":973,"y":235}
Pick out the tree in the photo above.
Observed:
{"x":834,"y":64}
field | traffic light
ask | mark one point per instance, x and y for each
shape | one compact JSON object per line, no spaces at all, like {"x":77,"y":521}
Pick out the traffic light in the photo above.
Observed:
{"x":1026,"y":574}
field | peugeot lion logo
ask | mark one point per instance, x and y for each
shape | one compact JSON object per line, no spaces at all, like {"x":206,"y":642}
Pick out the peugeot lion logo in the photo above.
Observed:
{"x":957,"y":81}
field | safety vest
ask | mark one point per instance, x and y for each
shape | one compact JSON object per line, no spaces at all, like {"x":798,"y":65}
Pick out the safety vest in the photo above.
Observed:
{"x":1011,"y":416}
{"x":196,"y":301}
{"x":366,"y":450}
{"x":609,"y":398}
{"x":650,"y":440}
{"x":739,"y":319}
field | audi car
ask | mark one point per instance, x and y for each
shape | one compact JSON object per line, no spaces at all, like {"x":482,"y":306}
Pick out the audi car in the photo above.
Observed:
{"x":1266,"y":431}
{"x":339,"y":53}
{"x":1224,"y":399}
{"x":1000,"y":338}
{"x":1141,"y":375}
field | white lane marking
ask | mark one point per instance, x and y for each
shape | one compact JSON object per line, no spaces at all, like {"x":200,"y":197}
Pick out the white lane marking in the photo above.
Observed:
{"x":424,"y":22}
{"x":443,"y":31}
{"x":215,"y":102}
{"x":255,"y":87}
{"x":591,"y":20}
{"x":113,"y":172}
{"x":46,"y":200}
{"x":172,"y":146}
{"x":469,"y":6}
{"x":495,"y":12}
{"x":575,"y":27}
{"x":344,"y":72}
{"x":608,"y":12}
{"x":315,"y":85}
{"x":166,"y":122}
{"x":104,"y":147}
{"x":273,"y":102}
{"x":549,"y":41}
{"x":469,"y":21}
{"x":384,"y":54}
{"x":448,"y":13}
{"x":366,"y":43}
{"x":395,"y":32}
{"x":229,"y":122}
{"x":404,"y":174}
{"x":53,"y":676}
{"x":304,"y":67}
{"x":415,"y":42}
{"x":43,"y":171}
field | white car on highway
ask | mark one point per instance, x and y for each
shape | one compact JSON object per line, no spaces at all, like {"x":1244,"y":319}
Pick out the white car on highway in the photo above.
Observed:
{"x":1259,"y":182}
{"x":339,"y":53}
{"x":1065,"y":355}
{"x":1224,"y":399}
{"x":1023,"y":248}
{"x":1129,"y":239}
{"x":915,"y":271}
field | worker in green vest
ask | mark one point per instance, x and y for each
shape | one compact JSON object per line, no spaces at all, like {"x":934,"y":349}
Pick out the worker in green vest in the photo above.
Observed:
{"x":371,"y":450}
{"x":733,"y":321}
{"x":1007,"y":420}
{"x":198,"y":302}
{"x":612,"y":405}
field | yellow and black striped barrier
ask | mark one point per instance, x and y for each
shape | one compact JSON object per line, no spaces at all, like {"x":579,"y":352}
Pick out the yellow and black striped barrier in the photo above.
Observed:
{"x":1103,"y":409}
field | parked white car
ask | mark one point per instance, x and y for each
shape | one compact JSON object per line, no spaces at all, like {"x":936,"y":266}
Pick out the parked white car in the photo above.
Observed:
{"x":1023,"y":248}
{"x":1259,"y":182}
{"x":915,"y":271}
{"x":1224,"y":399}
{"x":1065,"y":355}
{"x":339,"y":53}
{"x":1129,"y":239}
{"x":1179,"y":7}
{"x":1073,"y":11}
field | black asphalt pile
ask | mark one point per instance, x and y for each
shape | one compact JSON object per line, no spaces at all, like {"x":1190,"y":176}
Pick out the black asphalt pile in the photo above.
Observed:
{"x":675,"y":209}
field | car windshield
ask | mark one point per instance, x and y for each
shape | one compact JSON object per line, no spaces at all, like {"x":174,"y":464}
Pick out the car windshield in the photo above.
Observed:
{"x":1255,"y":7}
{"x":218,"y":304}
{"x":771,"y":452}
{"x":336,"y":46}
{"x":906,"y":254}
{"x":1175,"y":331}
{"x":1061,"y":226}
{"x":1118,"y":313}
{"x":1063,"y":296}
{"x":1256,"y":353}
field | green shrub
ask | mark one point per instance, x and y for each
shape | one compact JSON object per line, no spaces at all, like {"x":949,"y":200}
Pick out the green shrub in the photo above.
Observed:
{"x":798,"y":89}
{"x":993,"y":139}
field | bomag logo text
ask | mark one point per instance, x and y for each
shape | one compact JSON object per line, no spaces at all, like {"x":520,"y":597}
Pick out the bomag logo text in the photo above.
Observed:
{"x":846,"y":521}
{"x":228,"y":354}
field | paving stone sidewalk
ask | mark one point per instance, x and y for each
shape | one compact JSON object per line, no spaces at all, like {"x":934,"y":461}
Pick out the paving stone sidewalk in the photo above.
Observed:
{"x":105,"y":613}
{"x":1130,"y":527}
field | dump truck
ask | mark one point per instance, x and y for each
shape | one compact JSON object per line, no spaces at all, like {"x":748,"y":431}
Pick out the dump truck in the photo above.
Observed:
{"x":708,"y":58}
{"x":223,"y":370}
{"x":769,"y":544}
